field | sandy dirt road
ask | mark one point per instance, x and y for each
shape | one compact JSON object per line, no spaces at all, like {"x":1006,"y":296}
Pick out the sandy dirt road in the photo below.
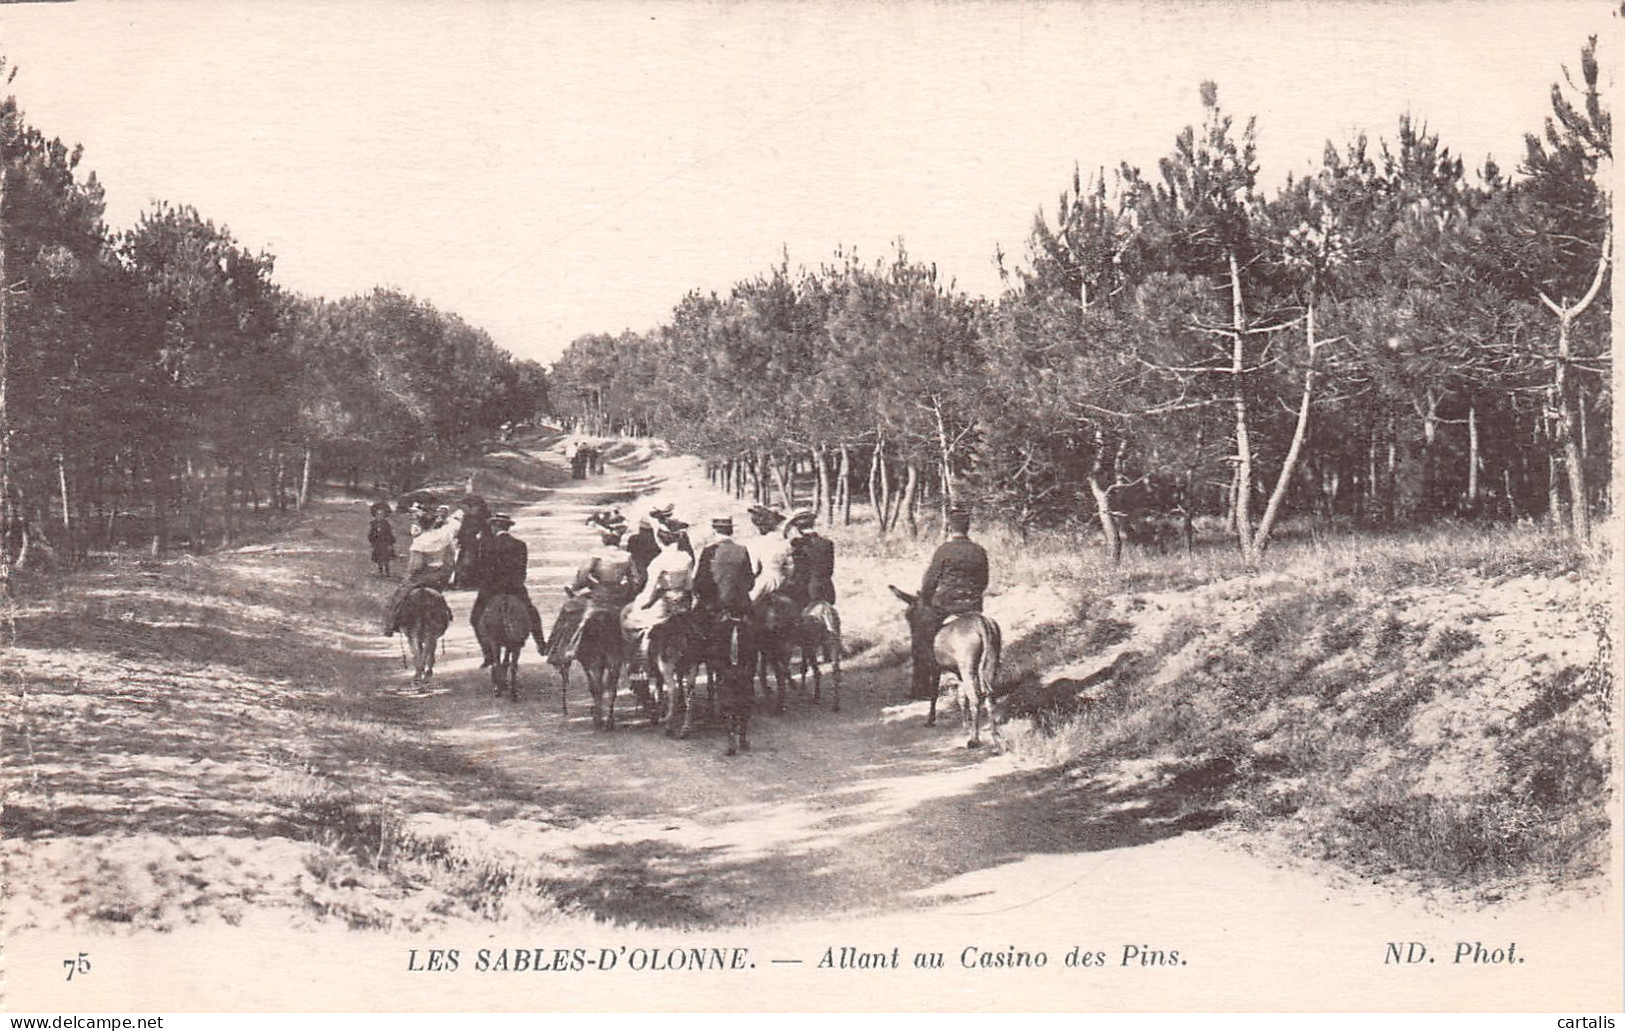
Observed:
{"x":861,"y":830}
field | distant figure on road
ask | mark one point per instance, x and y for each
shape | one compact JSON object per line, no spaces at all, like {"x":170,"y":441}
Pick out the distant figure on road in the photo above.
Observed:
{"x":381,"y":536}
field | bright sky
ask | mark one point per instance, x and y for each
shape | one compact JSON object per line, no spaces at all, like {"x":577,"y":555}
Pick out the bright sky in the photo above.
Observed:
{"x":548,"y":170}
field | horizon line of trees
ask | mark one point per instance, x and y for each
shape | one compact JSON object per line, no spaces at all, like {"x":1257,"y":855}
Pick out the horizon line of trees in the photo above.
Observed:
{"x":1384,"y":341}
{"x":157,"y":383}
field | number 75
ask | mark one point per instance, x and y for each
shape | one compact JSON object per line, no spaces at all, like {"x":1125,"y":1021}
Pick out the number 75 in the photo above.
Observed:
{"x":78,"y":966}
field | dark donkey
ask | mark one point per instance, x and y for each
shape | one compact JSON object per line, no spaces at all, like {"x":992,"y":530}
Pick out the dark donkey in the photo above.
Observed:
{"x":425,"y":617}
{"x":820,"y":641}
{"x":676,"y":648}
{"x":968,"y":644}
{"x":771,"y":631}
{"x":602,"y":652}
{"x":504,"y":627}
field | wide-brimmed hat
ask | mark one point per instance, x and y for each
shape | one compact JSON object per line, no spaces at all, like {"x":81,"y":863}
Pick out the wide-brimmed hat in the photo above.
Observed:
{"x":802,"y":519}
{"x":722,"y":524}
{"x":380,"y":506}
{"x":499,"y":520}
{"x":765,"y":517}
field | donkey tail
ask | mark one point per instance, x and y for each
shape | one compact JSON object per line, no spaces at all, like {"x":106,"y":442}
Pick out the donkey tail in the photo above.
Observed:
{"x":988,"y":669}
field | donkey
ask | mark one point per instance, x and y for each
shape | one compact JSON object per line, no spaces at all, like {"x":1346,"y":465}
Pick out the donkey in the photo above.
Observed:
{"x":504,"y":627}
{"x":425,"y":617}
{"x":601,"y":653}
{"x":675,"y":650}
{"x":820,"y":640}
{"x":771,"y":629}
{"x":968,"y":644}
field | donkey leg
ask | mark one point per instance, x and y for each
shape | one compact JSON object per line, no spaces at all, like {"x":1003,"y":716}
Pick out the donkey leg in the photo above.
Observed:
{"x":972,"y":696}
{"x":835,"y":665}
{"x":685,"y":691}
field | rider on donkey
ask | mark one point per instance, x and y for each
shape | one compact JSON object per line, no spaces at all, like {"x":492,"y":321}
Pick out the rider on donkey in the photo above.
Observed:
{"x":429,"y":563}
{"x":769,"y":553}
{"x":643,"y":545}
{"x":606,"y":581}
{"x":668,"y":591}
{"x":812,"y":560}
{"x":500,"y":569}
{"x":723,"y":577}
{"x":954,"y":583}
{"x":723,"y":574}
{"x":470,"y":541}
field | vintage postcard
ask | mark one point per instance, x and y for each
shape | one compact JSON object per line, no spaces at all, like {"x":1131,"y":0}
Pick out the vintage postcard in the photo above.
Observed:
{"x":920,"y":506}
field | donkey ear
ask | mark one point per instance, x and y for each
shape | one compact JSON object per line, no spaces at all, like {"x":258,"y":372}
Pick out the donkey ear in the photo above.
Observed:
{"x":907,"y":599}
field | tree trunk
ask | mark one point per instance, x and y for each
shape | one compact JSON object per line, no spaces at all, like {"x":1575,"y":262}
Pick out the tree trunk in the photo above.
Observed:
{"x":304,"y":479}
{"x":785,"y":484}
{"x":1568,"y":438}
{"x":160,"y":505}
{"x":910,"y":488}
{"x":845,"y":480}
{"x":1261,"y":538}
{"x":228,"y":536}
{"x":948,"y":493}
{"x":1108,"y":521}
{"x":874,"y":489}
{"x":1430,"y":436}
{"x":67,"y":517}
{"x":1103,"y":501}
{"x":826,"y":503}
{"x":884,"y":504}
{"x":1473,"y":459}
{"x":1563,"y":389}
{"x":1244,"y":441}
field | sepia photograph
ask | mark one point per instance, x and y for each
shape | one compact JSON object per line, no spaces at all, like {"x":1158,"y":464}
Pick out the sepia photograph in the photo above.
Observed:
{"x":913,"y":506}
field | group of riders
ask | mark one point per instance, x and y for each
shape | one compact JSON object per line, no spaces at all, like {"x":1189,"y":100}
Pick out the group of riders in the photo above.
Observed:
{"x":650,"y":578}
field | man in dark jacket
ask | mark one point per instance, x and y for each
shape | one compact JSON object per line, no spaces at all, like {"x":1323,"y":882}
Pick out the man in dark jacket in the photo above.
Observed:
{"x":643,"y":546}
{"x":723,"y":575}
{"x":500,"y":569}
{"x":812,"y":575}
{"x":954,"y":582}
{"x":957,"y":576}
{"x":474,"y":533}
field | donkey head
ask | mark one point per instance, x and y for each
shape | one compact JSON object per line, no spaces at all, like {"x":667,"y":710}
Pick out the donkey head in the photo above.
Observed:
{"x":914,"y":613}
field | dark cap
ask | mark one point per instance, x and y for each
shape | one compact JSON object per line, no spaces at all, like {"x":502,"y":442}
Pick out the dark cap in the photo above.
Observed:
{"x":958,"y":520}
